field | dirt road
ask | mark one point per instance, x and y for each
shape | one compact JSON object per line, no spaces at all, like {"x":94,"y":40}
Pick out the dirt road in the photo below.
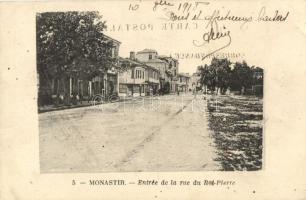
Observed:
{"x":168,"y":133}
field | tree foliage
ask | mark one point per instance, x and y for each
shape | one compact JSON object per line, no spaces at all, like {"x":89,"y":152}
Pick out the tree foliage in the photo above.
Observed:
{"x":221,"y":75}
{"x":241,"y":76}
{"x":216,"y":75}
{"x":72,"y":42}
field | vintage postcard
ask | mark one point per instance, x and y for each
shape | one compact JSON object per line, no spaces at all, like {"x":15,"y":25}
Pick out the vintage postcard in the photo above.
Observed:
{"x":153,"y":99}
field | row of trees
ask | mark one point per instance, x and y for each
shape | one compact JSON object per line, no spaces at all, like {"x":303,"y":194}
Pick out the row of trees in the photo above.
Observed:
{"x":222,"y":75}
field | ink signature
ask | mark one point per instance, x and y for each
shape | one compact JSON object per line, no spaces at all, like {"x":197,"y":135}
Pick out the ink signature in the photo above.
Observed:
{"x":213,"y":35}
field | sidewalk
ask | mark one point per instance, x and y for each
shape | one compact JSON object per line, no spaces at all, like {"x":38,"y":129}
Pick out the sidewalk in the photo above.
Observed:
{"x":48,"y":108}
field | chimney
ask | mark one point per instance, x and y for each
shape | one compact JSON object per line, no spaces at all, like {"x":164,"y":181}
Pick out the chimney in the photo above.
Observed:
{"x":132,"y":55}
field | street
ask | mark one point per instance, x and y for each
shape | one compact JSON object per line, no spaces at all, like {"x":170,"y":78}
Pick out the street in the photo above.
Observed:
{"x":165,"y":133}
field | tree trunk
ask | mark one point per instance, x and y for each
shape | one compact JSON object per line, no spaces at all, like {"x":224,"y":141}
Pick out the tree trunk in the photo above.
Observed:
{"x":66,"y":86}
{"x":57,"y":91}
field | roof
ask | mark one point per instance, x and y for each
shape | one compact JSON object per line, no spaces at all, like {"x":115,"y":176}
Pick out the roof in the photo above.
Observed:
{"x":151,"y":67}
{"x":147,"y":51}
{"x":196,"y":74}
{"x":136,"y":62}
{"x":168,"y":58}
{"x":112,"y":39}
{"x":185,"y":75}
{"x":155,"y":60}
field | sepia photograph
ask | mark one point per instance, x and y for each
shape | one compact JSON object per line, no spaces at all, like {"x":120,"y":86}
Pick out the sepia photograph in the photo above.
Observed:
{"x":146,"y":109}
{"x":152,"y":99}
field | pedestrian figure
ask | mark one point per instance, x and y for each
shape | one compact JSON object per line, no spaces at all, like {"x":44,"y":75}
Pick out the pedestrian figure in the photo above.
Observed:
{"x":74,"y":98}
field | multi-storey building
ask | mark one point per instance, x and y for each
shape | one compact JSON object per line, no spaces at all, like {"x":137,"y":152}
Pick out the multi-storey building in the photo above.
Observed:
{"x":167,"y":66}
{"x":183,"y":82}
{"x":194,"y":83}
{"x":152,"y":80}
{"x":137,"y":78}
{"x":172,"y":72}
{"x":76,"y":84}
{"x":104,"y":83}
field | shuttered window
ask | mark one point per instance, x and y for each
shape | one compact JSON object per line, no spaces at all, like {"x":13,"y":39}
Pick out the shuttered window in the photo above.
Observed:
{"x":122,"y":88}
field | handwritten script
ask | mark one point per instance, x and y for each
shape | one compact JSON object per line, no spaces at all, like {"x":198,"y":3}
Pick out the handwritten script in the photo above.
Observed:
{"x":192,"y":12}
{"x":213,"y":35}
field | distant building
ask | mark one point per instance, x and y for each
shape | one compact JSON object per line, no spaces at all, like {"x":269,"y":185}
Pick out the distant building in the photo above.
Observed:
{"x":150,"y":57}
{"x":137,"y":78}
{"x":167,"y":67}
{"x":183,"y":83}
{"x":132,"y":80}
{"x":258,"y":79}
{"x":172,"y":70}
{"x":152,"y":80}
{"x":194,"y":83}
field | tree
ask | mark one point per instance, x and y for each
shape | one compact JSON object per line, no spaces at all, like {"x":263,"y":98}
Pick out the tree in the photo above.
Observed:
{"x":219,"y":76}
{"x":207,"y":77}
{"x":241,"y":76}
{"x":222,"y":72}
{"x":71,"y":44}
{"x":216,"y":75}
{"x":257,"y":75}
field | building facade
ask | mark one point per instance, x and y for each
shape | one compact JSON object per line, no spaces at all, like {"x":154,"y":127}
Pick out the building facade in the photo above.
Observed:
{"x":194,"y":82}
{"x":132,"y":81}
{"x":137,"y":78}
{"x":152,"y":80}
{"x":167,"y":67}
{"x":183,"y":82}
{"x":172,"y":69}
{"x":76,"y":85}
{"x":104,"y":83}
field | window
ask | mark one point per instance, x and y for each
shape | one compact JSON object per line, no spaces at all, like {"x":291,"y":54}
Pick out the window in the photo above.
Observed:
{"x":136,"y":88}
{"x":150,"y":56}
{"x":113,"y":52}
{"x":122,"y":88}
{"x":139,"y":74}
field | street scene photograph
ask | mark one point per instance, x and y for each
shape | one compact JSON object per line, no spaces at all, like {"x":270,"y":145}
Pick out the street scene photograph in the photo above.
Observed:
{"x":139,"y":99}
